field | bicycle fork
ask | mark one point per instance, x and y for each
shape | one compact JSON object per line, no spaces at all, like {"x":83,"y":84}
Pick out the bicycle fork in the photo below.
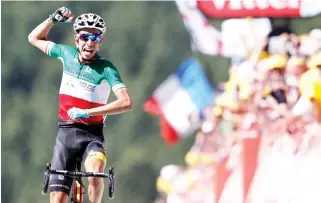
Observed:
{"x":77,"y":196}
{"x":78,"y":187}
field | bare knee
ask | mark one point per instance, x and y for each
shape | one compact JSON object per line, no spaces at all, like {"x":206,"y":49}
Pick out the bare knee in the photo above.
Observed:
{"x":95,"y":182}
{"x":95,"y":166}
{"x":58,"y":197}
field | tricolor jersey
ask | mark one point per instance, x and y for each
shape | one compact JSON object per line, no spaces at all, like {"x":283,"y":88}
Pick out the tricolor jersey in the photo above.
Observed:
{"x":84,"y":86}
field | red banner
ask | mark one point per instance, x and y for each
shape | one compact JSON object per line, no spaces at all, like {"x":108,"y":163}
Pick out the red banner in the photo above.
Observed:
{"x":250,"y":162}
{"x":222,"y":175}
{"x":259,"y":8}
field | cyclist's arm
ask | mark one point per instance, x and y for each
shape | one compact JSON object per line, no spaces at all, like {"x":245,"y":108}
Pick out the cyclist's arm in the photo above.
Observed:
{"x":38,"y":36}
{"x":123,"y":103}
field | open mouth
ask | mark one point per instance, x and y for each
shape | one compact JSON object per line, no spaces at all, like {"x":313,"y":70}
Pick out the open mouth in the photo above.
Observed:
{"x":88,"y":51}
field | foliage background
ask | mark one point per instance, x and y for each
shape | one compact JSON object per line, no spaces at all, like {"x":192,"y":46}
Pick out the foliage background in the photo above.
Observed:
{"x":146,"y":41}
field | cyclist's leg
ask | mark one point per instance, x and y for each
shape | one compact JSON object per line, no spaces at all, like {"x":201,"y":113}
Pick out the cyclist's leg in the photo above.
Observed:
{"x":58,"y":197}
{"x":95,"y":161}
{"x":63,"y":159}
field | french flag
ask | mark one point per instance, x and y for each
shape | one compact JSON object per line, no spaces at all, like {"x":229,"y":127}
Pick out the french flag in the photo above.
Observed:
{"x":184,"y":92}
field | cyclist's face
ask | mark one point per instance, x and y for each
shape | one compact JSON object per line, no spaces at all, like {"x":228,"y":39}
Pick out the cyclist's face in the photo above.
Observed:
{"x":88,"y":42}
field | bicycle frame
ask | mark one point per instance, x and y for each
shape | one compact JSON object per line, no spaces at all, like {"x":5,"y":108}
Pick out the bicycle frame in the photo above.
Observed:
{"x":77,"y":195}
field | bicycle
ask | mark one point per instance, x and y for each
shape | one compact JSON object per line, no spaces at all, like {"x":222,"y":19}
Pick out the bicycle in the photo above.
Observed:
{"x":78,"y":186}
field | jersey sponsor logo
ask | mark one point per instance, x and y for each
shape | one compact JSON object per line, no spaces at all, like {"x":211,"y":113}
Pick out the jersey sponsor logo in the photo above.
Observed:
{"x":69,"y":83}
{"x":81,"y":75}
{"x":88,"y":69}
{"x":88,"y":87}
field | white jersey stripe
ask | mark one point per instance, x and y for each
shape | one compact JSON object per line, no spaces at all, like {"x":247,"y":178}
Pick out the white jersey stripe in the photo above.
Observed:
{"x":49,"y":47}
{"x":81,"y":89}
{"x":118,"y":86}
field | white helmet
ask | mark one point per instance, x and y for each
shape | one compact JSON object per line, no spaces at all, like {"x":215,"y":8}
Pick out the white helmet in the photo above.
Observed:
{"x":89,"y":20}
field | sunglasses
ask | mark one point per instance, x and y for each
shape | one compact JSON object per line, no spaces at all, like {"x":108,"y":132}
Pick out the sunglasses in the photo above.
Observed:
{"x":93,"y":37}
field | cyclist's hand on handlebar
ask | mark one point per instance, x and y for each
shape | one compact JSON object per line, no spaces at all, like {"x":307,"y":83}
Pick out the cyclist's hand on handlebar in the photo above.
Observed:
{"x":62,"y":15}
{"x":74,"y":113}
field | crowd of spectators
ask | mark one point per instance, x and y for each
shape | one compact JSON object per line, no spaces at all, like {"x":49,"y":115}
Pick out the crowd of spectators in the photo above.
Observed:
{"x":276,"y":92}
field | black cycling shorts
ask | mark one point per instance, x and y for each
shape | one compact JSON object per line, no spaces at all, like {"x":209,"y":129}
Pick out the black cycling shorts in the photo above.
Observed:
{"x":74,"y":141}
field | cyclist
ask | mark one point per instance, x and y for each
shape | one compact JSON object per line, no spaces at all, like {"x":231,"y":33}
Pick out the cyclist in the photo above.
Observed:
{"x":86,"y":83}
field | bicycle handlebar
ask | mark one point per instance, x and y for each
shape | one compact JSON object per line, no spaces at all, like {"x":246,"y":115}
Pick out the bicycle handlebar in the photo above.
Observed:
{"x":46,"y":179}
{"x":78,"y":174}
